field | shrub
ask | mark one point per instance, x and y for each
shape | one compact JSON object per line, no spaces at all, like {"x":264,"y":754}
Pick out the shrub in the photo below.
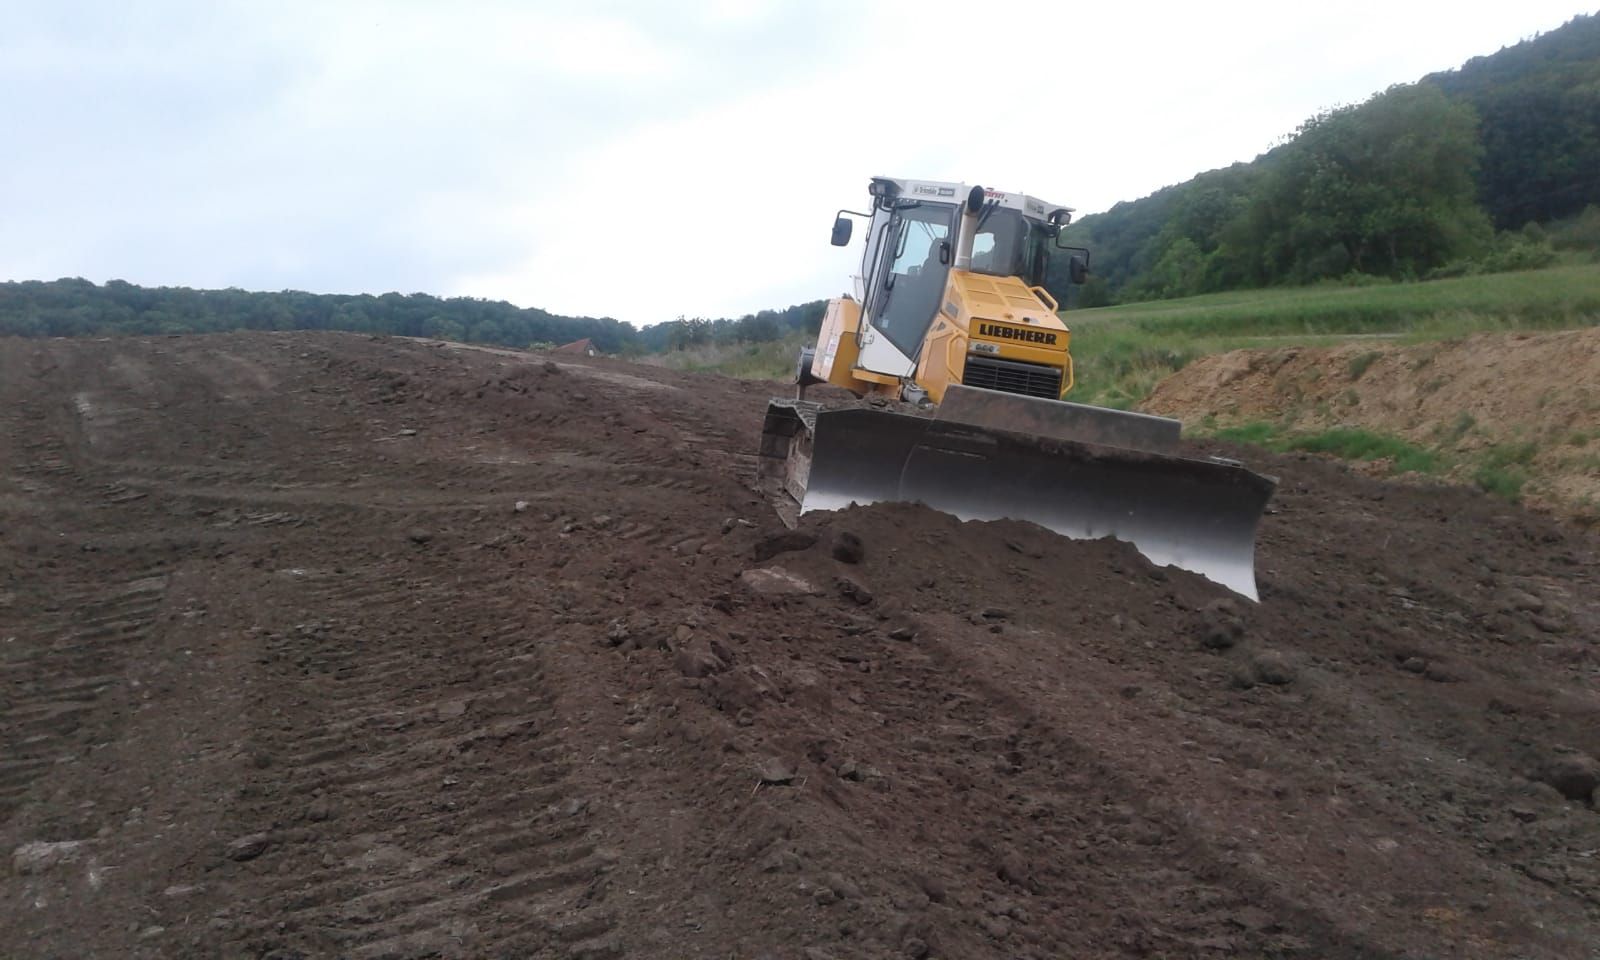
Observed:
{"x":1503,"y":482}
{"x":1360,"y":363}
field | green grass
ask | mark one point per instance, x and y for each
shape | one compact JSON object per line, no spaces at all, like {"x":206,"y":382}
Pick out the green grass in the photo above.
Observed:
{"x":1347,"y":443}
{"x":1355,"y":444}
{"x":1120,"y":353}
{"x":1504,"y":482}
{"x":1553,"y":297}
{"x":773,"y":360}
{"x":1502,"y":470}
{"x":1255,"y":434}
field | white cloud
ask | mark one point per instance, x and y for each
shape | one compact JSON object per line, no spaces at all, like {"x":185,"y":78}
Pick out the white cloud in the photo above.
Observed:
{"x":626,"y":158}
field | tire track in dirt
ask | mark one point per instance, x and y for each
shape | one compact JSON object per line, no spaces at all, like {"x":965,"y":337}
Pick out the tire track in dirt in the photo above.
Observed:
{"x":55,"y":683}
{"x":381,"y":866}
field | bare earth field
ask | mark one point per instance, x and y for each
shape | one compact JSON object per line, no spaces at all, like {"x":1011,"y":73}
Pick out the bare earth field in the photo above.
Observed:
{"x":286,"y":672}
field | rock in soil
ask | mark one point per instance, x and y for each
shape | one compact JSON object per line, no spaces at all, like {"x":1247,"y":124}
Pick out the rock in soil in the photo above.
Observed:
{"x":39,"y":856}
{"x":776,"y":581}
{"x":248,"y":847}
{"x":774,"y":771}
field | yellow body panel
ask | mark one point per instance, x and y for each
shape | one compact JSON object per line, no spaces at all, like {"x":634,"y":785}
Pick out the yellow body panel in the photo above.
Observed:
{"x":999,"y":317}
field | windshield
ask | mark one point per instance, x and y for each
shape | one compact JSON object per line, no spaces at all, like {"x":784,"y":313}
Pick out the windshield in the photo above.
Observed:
{"x":1010,"y":245}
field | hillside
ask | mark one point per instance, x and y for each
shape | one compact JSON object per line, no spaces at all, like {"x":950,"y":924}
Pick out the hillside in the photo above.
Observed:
{"x":1514,"y":138}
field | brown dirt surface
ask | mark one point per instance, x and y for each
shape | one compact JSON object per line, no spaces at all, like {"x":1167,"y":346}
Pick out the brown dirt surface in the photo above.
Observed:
{"x":1463,"y":396}
{"x":320,"y":645}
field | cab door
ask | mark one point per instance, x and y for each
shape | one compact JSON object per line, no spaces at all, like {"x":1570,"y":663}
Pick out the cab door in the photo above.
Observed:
{"x":906,"y":285}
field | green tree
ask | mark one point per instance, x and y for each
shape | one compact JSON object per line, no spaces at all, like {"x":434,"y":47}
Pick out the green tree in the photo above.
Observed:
{"x":1385,"y":188}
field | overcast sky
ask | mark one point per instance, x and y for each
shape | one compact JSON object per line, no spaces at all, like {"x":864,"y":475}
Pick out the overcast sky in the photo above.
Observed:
{"x":639,"y":159}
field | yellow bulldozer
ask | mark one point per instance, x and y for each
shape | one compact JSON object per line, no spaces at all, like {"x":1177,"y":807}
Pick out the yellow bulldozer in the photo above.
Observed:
{"x":952,"y":337}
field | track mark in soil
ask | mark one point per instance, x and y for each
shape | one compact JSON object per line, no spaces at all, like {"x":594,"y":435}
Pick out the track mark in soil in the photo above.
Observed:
{"x":442,"y":821}
{"x":54,"y":683}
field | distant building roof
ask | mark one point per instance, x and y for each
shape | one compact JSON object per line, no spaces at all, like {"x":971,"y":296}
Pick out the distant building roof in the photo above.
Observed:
{"x":584,"y":347}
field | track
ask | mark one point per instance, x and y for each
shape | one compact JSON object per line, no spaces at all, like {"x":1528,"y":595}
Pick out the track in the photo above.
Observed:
{"x":337,"y":646}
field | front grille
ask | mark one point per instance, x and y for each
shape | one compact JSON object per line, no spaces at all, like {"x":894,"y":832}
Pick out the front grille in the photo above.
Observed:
{"x":1010,"y":376}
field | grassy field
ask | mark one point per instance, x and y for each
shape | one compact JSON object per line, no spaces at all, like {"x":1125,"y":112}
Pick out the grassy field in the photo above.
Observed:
{"x":1122,"y":352}
{"x":774,"y":360}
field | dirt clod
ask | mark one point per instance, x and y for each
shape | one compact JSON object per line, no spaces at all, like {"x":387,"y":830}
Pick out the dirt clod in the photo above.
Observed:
{"x":1220,"y":624}
{"x":932,"y":887}
{"x":1575,"y":775}
{"x":1271,"y":666}
{"x":848,"y":548}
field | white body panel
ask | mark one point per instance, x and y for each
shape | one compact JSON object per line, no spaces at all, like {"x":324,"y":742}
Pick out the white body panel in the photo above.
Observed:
{"x":880,"y":356}
{"x":957,"y":193}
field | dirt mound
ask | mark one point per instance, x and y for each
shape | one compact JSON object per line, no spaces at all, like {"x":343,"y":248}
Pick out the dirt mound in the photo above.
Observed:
{"x":1536,"y":397}
{"x":334,"y":646}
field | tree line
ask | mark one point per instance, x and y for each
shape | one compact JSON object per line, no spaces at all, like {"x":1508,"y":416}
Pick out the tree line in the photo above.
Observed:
{"x":1414,"y":182}
{"x":76,"y":307}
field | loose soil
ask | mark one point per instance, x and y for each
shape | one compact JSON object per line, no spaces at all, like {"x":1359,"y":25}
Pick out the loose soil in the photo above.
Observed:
{"x":319,"y":645}
{"x":1461,"y":396}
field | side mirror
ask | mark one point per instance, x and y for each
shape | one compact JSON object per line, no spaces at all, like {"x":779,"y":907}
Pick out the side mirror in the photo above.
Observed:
{"x":841,"y":231}
{"x":944,"y":253}
{"x":1077,"y":270}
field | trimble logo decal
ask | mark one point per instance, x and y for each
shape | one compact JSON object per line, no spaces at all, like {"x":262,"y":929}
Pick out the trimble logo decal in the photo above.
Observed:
{"x":1046,"y":337}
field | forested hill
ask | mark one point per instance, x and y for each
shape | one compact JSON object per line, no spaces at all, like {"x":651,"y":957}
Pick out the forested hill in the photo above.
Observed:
{"x":1415,"y":181}
{"x":1538,"y":104}
{"x":66,"y":308}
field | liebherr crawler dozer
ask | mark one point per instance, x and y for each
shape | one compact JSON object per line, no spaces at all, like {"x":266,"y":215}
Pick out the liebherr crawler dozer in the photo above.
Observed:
{"x":951,"y":321}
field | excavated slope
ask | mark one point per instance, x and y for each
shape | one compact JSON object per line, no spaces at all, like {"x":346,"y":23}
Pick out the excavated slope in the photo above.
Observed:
{"x":1462,"y":396}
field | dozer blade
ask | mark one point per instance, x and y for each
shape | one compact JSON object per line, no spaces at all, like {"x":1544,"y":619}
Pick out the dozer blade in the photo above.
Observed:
{"x":1059,"y":419}
{"x":1200,"y":515}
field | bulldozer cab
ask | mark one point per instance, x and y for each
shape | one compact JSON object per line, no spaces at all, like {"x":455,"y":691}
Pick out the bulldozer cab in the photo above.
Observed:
{"x":921,"y":230}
